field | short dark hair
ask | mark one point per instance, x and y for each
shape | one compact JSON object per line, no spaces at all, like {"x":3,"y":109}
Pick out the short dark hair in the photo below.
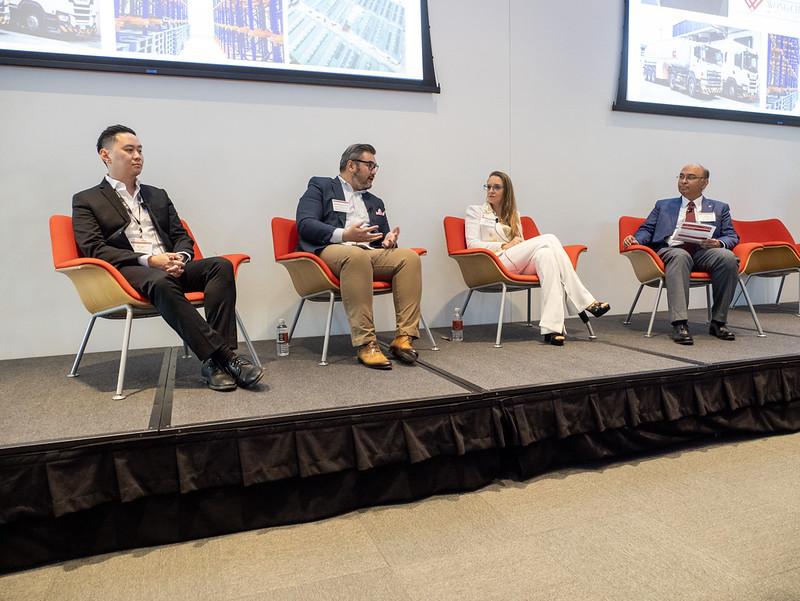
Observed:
{"x":106,"y":138}
{"x":353,"y":152}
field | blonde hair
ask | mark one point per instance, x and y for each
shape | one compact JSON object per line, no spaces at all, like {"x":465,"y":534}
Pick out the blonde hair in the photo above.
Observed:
{"x":508,"y":206}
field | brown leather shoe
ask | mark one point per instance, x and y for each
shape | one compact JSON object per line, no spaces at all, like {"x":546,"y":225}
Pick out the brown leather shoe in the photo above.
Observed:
{"x":370,"y":355}
{"x":401,"y":348}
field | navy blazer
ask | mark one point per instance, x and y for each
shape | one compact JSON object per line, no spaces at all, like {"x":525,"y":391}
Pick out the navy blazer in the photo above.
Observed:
{"x":99,"y":219}
{"x":316,"y":218}
{"x":660,"y":224}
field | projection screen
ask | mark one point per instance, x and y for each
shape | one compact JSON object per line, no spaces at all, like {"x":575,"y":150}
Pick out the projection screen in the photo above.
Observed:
{"x":721,"y":59}
{"x":361,"y":43}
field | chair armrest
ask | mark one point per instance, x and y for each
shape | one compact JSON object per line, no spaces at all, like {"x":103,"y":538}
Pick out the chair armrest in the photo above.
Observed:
{"x":573,"y":252}
{"x":113,"y":272}
{"x":309,"y":273}
{"x":237,"y":260}
{"x":647,"y":265}
{"x":480,"y":266}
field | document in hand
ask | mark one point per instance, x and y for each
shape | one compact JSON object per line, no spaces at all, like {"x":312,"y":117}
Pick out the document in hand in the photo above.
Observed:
{"x":695,"y":232}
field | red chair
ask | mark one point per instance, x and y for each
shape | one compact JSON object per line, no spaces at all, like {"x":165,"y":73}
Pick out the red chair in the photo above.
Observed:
{"x":105,"y":293}
{"x":780,"y":256}
{"x":649,"y":270}
{"x":483,"y":272}
{"x":314,"y":281}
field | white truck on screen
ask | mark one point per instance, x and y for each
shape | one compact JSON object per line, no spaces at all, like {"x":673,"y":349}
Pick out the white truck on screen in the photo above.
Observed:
{"x":41,"y":16}
{"x":739,"y":70}
{"x":683,"y":63}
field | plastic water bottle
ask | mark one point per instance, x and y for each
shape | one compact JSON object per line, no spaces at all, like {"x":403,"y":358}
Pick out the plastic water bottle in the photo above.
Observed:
{"x":458,"y":326}
{"x":282,"y":339}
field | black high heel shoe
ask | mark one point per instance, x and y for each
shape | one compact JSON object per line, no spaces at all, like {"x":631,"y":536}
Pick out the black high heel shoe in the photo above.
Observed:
{"x":554,"y":339}
{"x":598,"y":309}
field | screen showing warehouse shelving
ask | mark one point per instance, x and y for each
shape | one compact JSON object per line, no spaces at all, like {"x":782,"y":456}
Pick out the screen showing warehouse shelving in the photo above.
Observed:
{"x":363,"y":43}
{"x":723,"y":59}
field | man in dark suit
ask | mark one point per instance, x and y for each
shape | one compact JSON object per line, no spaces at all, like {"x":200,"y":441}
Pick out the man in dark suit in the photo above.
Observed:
{"x":136,"y":228}
{"x":680,"y":259}
{"x":346,"y":226}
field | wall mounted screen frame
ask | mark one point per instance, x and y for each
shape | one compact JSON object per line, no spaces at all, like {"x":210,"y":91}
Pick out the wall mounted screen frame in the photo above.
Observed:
{"x":380,"y":44}
{"x":718,"y":59}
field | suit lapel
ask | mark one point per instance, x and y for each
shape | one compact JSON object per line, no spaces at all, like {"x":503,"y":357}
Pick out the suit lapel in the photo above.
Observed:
{"x":338,"y":194}
{"x":113,"y":198}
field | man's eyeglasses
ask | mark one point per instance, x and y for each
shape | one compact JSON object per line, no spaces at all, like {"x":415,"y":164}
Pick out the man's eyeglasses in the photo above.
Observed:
{"x":690,"y":178}
{"x":495,"y":187}
{"x":370,"y":165}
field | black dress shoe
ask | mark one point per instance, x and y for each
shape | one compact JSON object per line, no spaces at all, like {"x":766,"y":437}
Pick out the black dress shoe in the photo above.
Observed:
{"x":681,"y":335}
{"x":720,"y":331}
{"x":598,"y":309}
{"x":216,"y":377}
{"x":554,"y":339}
{"x":243,"y":371}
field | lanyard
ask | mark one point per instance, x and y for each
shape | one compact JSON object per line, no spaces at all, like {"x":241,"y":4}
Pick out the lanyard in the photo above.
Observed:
{"x":130,"y":212}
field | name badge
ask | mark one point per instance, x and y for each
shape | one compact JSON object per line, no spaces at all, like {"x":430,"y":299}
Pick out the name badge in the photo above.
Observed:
{"x":705,"y":217}
{"x":340,"y":206}
{"x":142,"y":246}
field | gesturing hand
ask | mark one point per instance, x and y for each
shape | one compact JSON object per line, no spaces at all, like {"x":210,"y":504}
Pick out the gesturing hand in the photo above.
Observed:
{"x":356,"y":233}
{"x":390,"y":240}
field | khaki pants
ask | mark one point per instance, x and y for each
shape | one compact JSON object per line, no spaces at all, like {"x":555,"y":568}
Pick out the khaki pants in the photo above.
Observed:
{"x":357,"y":267}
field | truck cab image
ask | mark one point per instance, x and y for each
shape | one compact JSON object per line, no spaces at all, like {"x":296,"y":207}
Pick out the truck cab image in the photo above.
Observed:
{"x":695,"y":67}
{"x":739,"y":70}
{"x":41,"y":16}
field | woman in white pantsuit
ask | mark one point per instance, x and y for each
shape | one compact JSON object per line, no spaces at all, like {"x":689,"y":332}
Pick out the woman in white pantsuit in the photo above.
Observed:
{"x":496,"y":226}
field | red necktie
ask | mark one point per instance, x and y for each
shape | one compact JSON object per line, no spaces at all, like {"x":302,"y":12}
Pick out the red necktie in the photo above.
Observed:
{"x":690,"y":247}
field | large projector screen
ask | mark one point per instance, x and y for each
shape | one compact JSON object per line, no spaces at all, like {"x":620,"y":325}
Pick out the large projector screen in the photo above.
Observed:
{"x":721,"y":59}
{"x":362,"y":43}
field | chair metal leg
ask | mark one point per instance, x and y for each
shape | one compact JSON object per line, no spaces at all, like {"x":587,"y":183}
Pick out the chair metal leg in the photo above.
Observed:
{"x":585,"y":319}
{"x":123,"y":360}
{"x":500,"y":319}
{"x":655,"y":308}
{"x":74,"y":372}
{"x":627,"y":321}
{"x":761,"y":333}
{"x":324,"y":360}
{"x":466,"y":302}
{"x":739,"y":292}
{"x":296,"y":317}
{"x":186,"y":354}
{"x":246,"y":340}
{"x":529,"y":323}
{"x":708,"y":303}
{"x":428,"y":332}
{"x":780,"y":289}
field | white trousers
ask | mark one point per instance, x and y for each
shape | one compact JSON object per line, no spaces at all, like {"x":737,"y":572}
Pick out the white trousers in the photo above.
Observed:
{"x":544,"y":256}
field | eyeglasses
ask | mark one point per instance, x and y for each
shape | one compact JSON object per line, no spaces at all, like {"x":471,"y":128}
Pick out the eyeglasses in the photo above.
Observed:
{"x":495,"y":187}
{"x":370,"y":165}
{"x":690,"y":178}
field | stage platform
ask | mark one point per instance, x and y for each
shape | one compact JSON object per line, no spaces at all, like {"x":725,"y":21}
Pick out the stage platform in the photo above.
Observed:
{"x":82,"y":474}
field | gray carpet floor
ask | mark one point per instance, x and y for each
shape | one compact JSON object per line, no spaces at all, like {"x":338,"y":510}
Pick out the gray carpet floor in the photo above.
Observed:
{"x":39,"y":403}
{"x":705,"y":523}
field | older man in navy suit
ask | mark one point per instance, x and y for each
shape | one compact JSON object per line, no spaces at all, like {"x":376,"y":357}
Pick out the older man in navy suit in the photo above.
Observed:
{"x":712,"y":255}
{"x":346,"y":226}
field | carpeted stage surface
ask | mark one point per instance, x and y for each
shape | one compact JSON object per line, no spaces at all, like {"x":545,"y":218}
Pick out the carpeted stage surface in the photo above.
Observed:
{"x":82,"y":474}
{"x":165,"y":392}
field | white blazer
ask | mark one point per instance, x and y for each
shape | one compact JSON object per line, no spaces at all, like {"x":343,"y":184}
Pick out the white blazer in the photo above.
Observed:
{"x":484,"y":230}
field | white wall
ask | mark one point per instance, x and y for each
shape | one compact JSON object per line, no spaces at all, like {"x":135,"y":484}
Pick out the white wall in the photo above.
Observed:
{"x":526,"y":88}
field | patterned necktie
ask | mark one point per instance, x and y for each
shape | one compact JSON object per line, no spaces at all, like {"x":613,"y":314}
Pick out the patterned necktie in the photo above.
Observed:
{"x":690,"y":247}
